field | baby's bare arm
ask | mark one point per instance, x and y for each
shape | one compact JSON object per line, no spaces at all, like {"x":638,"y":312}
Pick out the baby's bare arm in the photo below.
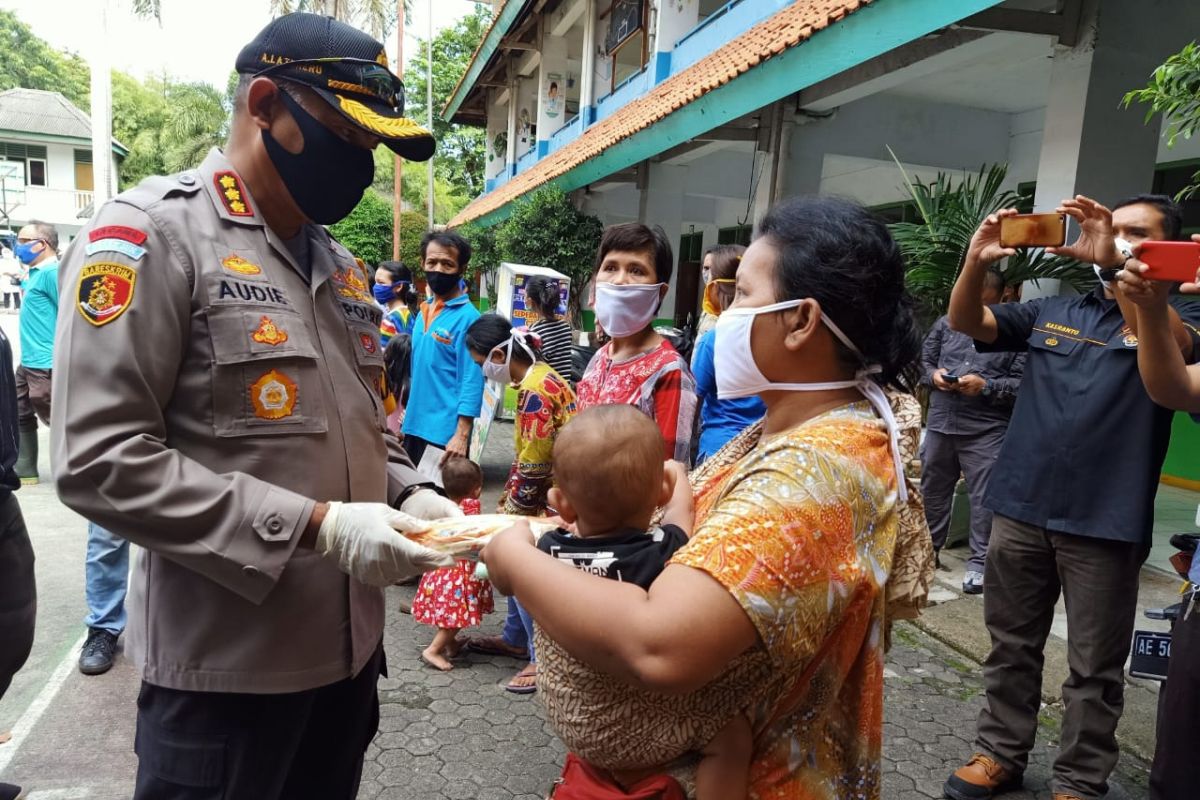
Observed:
{"x":680,"y":510}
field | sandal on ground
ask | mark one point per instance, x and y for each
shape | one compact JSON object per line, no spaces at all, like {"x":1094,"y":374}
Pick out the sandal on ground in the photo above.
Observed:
{"x":516,"y":686}
{"x":493,"y":646}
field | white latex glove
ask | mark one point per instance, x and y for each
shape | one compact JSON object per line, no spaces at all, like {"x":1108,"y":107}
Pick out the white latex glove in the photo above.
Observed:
{"x":365,"y":540}
{"x":428,"y":504}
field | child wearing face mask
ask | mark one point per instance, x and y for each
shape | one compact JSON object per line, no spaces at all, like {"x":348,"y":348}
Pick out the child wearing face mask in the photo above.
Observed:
{"x":545,"y":403}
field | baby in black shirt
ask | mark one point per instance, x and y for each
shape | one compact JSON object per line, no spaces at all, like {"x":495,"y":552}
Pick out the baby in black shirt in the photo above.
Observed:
{"x":610,"y":481}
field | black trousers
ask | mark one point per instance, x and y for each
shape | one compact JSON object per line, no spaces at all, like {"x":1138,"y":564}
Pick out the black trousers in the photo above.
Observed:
{"x":1173,"y":776}
{"x":225,"y":746}
{"x":415,"y":447}
{"x":18,"y":593}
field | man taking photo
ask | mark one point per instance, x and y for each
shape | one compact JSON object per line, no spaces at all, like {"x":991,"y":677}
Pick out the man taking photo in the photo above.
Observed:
{"x":1073,"y":495}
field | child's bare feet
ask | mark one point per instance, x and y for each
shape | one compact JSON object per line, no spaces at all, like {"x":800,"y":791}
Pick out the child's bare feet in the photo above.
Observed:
{"x":454,"y":649}
{"x":435,"y":659}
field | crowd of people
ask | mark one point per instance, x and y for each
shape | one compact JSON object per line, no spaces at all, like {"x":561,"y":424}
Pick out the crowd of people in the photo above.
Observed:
{"x":730,"y":541}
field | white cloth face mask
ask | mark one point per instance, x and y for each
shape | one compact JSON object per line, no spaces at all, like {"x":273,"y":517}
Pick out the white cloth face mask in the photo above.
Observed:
{"x":501,"y":372}
{"x":739,"y":376}
{"x":626,"y":309}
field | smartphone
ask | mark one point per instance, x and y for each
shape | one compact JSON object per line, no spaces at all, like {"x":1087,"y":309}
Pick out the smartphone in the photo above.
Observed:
{"x":1033,"y":230}
{"x":948,"y":378}
{"x":1170,"y":261}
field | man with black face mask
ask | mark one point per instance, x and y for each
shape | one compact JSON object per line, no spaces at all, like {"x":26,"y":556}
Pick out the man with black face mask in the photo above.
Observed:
{"x":219,"y":380}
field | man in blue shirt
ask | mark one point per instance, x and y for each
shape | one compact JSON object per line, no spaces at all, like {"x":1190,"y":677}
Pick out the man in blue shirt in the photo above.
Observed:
{"x":1073,"y":495}
{"x":447,"y":385}
{"x":37,"y":250}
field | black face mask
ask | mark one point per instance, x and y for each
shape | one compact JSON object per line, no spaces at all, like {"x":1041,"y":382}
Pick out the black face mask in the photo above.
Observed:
{"x":442,"y":283}
{"x":328,"y":177}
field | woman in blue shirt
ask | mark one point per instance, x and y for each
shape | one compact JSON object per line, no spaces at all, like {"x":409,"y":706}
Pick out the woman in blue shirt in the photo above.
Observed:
{"x":720,"y":420}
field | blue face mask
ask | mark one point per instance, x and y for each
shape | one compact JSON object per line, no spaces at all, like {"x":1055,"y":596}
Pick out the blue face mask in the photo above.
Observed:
{"x":385,"y":293}
{"x":25,"y":252}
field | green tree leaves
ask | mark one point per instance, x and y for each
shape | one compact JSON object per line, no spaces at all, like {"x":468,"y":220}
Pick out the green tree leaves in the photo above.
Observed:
{"x":546,"y":230}
{"x":1174,"y":92}
{"x":28,"y":62}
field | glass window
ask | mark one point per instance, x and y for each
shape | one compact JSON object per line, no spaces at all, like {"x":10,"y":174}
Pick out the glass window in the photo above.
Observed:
{"x":37,"y":172}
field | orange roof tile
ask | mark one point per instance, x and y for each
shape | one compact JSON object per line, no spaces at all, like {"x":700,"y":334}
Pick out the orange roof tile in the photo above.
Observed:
{"x":772,"y":36}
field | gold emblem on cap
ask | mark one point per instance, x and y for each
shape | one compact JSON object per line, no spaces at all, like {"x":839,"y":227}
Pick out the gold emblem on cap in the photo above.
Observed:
{"x":391,"y":127}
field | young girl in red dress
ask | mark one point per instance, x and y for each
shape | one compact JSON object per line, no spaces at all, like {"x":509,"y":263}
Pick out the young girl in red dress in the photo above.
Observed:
{"x":451,"y":598}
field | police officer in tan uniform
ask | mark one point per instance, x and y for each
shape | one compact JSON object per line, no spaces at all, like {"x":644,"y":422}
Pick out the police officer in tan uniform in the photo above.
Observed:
{"x":218,"y":402}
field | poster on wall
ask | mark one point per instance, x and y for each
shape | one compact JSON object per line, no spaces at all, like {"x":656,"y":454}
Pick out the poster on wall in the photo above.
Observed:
{"x":523,"y":127}
{"x":521,"y":315}
{"x":554,"y":90}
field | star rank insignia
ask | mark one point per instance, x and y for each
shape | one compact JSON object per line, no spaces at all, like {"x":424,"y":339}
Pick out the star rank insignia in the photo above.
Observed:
{"x":233,"y":194}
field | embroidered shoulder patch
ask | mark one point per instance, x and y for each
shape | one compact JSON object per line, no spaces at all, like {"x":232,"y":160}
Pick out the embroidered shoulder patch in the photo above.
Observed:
{"x":233,"y":194}
{"x":273,"y":396}
{"x":370,"y":344}
{"x":115,"y":245}
{"x":104,"y":291}
{"x":124,"y":232}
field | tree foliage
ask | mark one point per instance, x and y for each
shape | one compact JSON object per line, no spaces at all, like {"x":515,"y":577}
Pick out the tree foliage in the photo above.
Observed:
{"x":367,"y":232}
{"x":546,"y":230}
{"x":28,"y":62}
{"x":461,"y":152}
{"x":1174,"y":92}
{"x":951,"y":210}
{"x":376,"y":17}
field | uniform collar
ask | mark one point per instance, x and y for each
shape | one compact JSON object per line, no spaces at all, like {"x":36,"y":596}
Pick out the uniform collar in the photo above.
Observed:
{"x":233,"y":203}
{"x":1096,"y":295}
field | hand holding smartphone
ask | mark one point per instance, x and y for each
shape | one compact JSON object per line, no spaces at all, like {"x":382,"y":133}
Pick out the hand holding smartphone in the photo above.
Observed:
{"x":948,"y":378}
{"x":1033,"y":230}
{"x":1170,"y":261}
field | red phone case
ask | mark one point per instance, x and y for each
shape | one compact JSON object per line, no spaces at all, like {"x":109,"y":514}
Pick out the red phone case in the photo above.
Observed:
{"x":1170,"y":261}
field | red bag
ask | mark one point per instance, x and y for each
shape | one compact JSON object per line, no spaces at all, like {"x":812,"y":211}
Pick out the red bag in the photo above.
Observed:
{"x":581,"y":781}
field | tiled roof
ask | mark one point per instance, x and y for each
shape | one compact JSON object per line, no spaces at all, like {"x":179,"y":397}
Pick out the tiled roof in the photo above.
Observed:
{"x":46,"y":113}
{"x":784,"y":30}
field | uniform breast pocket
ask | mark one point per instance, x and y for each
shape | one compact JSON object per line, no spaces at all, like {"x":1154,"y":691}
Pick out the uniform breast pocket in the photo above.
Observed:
{"x":1050,"y":342}
{"x":265,"y":377}
{"x":368,"y":355}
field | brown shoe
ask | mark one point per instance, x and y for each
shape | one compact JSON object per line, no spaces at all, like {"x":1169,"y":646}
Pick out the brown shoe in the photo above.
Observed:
{"x":979,"y":779}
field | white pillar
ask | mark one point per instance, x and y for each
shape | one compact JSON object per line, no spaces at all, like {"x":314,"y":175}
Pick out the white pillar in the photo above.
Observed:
{"x":514,"y":89}
{"x":674,"y":20}
{"x":587,"y":78}
{"x":1090,"y":145}
{"x":104,"y":184}
{"x":664,"y":207}
{"x":497,"y":126}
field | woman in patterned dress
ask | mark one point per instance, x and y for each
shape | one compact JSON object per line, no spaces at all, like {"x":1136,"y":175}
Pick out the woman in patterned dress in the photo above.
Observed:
{"x":797,"y":519}
{"x":638,"y":366}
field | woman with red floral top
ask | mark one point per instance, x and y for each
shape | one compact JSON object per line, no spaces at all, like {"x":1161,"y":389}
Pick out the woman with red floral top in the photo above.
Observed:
{"x":639,"y":367}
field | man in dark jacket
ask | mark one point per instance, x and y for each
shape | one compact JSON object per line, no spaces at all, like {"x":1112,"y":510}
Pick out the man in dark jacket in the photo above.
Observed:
{"x":969,"y":408}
